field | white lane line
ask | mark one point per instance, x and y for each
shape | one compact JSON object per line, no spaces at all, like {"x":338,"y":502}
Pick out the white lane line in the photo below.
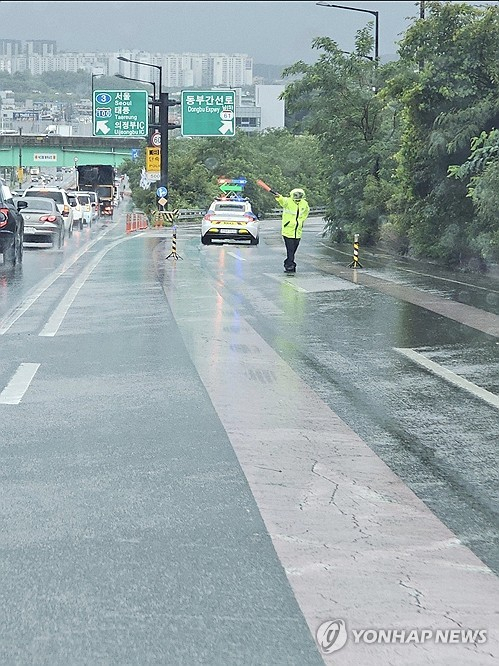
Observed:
{"x":57,"y":317}
{"x":450,"y":376}
{"x":434,"y":277}
{"x":44,"y":285}
{"x":19,"y":384}
{"x":237,"y":256}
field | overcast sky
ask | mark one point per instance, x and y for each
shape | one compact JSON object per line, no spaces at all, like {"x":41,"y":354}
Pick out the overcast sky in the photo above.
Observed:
{"x":272,"y":33}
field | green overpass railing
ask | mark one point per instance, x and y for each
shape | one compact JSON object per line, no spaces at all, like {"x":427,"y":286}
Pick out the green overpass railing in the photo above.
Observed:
{"x":60,"y":151}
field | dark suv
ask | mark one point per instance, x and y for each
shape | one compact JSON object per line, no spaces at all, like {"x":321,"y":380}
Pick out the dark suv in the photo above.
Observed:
{"x":11,"y":227}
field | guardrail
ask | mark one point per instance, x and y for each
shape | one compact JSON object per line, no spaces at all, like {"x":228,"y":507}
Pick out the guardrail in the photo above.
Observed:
{"x":187,"y":213}
{"x":191,"y":213}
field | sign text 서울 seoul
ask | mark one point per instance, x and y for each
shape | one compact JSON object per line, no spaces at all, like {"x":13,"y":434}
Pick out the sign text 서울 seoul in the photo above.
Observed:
{"x":120,"y":113}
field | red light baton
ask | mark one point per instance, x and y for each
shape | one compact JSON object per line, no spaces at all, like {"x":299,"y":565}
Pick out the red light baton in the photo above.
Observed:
{"x":266,"y":187}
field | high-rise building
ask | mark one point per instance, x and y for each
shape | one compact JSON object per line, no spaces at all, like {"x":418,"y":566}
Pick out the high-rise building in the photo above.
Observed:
{"x":178,"y":70}
{"x":41,"y":47}
{"x":189,"y":69}
{"x":11,"y":47}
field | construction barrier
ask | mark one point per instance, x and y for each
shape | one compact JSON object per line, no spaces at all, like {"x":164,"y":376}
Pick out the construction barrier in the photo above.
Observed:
{"x":136,"y":221}
{"x":163,"y":218}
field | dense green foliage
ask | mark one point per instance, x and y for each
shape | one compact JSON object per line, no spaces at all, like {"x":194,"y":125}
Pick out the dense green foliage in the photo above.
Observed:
{"x":194,"y":165}
{"x":347,"y":116}
{"x":451,"y":98}
{"x":390,"y":133}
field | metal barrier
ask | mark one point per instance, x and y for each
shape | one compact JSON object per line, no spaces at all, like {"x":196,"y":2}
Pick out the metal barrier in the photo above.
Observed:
{"x":188,"y":213}
{"x":192,"y":213}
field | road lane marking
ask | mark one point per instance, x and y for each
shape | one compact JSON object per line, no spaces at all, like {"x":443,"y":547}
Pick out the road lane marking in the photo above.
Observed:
{"x":57,"y":317}
{"x":450,"y":376}
{"x":429,"y":275}
{"x":326,"y":499}
{"x":236,"y":256}
{"x":14,"y":391}
{"x":44,"y":285}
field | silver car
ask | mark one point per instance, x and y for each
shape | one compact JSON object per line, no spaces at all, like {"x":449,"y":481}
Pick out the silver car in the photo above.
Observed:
{"x":60,"y":197}
{"x":43,"y":223}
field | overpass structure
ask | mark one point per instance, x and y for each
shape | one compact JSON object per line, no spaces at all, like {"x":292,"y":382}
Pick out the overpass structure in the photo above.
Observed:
{"x":28,"y":150}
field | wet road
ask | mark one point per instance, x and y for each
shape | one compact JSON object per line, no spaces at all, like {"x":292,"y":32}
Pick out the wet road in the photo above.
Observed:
{"x":352,"y":343}
{"x":407,"y":358}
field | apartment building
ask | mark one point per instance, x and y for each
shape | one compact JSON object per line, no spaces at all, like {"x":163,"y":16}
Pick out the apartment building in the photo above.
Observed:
{"x":178,"y":70}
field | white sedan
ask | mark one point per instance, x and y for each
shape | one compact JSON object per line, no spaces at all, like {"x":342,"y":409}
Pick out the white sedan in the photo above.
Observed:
{"x":230,"y":219}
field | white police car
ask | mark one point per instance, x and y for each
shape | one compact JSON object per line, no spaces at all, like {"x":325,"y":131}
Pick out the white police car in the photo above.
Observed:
{"x":230,"y":218}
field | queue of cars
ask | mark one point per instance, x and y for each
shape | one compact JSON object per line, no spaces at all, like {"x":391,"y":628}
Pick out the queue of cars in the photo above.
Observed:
{"x":49,"y":214}
{"x":41,"y":214}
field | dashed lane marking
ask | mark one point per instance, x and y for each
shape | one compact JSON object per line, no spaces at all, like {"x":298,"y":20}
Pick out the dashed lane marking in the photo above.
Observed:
{"x":14,"y":391}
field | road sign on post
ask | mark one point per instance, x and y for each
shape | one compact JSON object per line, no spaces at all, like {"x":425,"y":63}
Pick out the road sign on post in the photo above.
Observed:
{"x":153,"y":159}
{"x":120,"y":113}
{"x":208,"y":113}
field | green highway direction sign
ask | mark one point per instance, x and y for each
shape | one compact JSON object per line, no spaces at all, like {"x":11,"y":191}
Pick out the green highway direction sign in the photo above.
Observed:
{"x":208,"y":113}
{"x":231,"y":188}
{"x":120,"y":113}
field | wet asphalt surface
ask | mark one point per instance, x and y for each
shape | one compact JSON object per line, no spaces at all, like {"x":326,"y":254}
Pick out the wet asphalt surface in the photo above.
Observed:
{"x":344,"y":332}
{"x":342,"y":339}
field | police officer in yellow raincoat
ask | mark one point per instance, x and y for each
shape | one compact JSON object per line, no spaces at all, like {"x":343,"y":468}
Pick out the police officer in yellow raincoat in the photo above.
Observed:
{"x":295,"y":212}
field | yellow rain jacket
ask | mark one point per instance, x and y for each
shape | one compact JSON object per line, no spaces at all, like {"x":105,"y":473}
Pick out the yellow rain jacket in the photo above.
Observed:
{"x":294,"y":215}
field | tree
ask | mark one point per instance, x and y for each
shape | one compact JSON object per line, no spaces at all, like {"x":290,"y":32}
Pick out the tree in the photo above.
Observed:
{"x":195,"y":165}
{"x":480,"y":172}
{"x":345,"y":112}
{"x":448,"y":88}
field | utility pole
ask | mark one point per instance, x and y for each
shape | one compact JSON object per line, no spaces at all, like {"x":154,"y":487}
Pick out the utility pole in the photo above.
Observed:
{"x":20,"y":167}
{"x":421,"y":16}
{"x":164,"y":126}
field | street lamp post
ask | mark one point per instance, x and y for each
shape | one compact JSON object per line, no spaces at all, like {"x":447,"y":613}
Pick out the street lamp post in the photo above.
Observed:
{"x":94,"y":76}
{"x":163,"y":103}
{"x":365,"y":11}
{"x":152,"y":115}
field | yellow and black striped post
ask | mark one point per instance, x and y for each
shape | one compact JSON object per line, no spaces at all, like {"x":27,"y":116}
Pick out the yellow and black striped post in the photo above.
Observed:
{"x":173,"y":254}
{"x":355,"y":263}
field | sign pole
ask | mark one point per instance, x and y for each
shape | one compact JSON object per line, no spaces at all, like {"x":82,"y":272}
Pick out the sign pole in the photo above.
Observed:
{"x":163,"y":123}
